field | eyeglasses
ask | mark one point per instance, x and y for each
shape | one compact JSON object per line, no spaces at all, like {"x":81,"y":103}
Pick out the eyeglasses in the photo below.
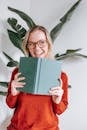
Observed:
{"x":40,"y":43}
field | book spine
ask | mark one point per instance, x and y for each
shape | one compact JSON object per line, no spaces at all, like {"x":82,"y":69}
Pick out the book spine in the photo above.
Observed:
{"x":38,"y":75}
{"x":35,"y":70}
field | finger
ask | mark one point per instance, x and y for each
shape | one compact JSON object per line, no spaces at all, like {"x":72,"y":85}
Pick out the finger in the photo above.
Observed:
{"x":61,"y":83}
{"x":20,"y":84}
{"x":55,"y":88}
{"x":53,"y":93}
{"x":17,"y":84}
{"x":17,"y":75}
{"x":56,"y":92}
{"x":20,"y":79}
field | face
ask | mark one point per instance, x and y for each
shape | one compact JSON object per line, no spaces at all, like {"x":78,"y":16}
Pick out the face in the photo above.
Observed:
{"x":37,"y":44}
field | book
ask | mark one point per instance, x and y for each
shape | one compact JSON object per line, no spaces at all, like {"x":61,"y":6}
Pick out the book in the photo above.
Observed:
{"x":40,"y":74}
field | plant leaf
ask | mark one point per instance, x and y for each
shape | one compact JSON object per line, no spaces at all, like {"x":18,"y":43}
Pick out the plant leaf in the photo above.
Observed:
{"x":18,"y":28}
{"x":12,"y":22}
{"x":4,"y":84}
{"x":15,"y":39}
{"x":12,"y":62}
{"x":73,"y":50}
{"x":3,"y":93}
{"x":69,"y":12}
{"x":69,"y":53}
{"x":7,"y":56}
{"x":62,"y":57}
{"x":24,"y":16}
{"x":22,"y":31}
{"x":55,"y":31}
{"x":80,"y":55}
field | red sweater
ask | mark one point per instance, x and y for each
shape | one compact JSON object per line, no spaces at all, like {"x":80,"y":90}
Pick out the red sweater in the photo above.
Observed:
{"x":36,"y":112}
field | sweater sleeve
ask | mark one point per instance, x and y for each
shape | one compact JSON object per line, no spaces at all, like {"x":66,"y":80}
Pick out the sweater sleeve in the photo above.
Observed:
{"x":61,"y":107}
{"x":10,"y":99}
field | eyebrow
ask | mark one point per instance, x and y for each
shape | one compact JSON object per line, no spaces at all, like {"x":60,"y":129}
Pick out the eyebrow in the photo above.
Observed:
{"x":38,"y":40}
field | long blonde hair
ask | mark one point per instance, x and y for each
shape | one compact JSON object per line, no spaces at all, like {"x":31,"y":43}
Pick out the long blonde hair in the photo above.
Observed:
{"x":48,"y":38}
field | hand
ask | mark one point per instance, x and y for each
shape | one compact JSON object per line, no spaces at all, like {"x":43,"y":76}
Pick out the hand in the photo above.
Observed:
{"x":57,"y":93}
{"x":16,"y":83}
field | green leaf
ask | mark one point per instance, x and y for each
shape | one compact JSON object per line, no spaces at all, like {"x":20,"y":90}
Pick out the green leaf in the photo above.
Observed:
{"x":24,"y":16}
{"x":18,"y":28}
{"x":7,"y":56}
{"x":73,"y":50}
{"x":12,"y":22}
{"x":3,"y":93}
{"x":69,"y":13}
{"x":56,"y":30}
{"x":70,"y":53}
{"x":4,"y":84}
{"x":15,"y":39}
{"x":64,"y":56}
{"x":80,"y":55}
{"x":21,"y":32}
{"x":12,"y":62}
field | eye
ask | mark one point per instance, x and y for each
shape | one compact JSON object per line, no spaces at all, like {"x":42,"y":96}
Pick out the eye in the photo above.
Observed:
{"x":30,"y":43}
{"x":41,"y":42}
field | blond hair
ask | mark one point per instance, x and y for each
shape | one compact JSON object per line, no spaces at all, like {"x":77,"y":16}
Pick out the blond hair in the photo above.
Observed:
{"x":48,"y":38}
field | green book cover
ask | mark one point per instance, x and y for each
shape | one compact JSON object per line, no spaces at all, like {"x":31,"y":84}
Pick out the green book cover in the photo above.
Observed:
{"x":40,"y":74}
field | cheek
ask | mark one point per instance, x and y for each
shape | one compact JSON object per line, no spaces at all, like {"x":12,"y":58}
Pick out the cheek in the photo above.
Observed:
{"x":30,"y":51}
{"x":46,"y":49}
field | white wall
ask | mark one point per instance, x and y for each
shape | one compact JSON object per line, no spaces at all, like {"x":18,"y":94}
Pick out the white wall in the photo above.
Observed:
{"x":72,"y":36}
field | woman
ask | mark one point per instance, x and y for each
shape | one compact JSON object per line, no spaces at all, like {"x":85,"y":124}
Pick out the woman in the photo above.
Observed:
{"x":36,"y":112}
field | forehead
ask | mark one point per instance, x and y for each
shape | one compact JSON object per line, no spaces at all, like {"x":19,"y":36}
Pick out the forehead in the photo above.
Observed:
{"x":37,"y":35}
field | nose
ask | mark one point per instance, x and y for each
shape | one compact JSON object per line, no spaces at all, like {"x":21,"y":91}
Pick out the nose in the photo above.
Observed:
{"x":36,"y":47}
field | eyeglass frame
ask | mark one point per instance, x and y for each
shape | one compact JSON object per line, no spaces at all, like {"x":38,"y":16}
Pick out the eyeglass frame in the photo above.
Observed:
{"x":33,"y":44}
